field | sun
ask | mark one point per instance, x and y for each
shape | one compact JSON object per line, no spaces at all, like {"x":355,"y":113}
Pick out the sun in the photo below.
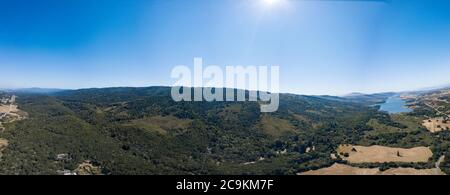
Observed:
{"x":271,"y":2}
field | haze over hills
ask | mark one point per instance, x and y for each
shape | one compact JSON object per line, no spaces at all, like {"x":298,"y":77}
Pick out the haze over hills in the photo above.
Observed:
{"x":34,"y":90}
{"x":38,"y":90}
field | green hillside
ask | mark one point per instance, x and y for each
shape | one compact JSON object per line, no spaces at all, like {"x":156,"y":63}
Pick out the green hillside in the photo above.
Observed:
{"x":143,"y":131}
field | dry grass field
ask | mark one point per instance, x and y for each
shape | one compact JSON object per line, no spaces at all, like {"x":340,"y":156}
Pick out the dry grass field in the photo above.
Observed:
{"x":341,"y":169}
{"x":87,"y":168}
{"x":12,"y":114}
{"x":412,"y":171}
{"x":382,"y":154}
{"x":436,"y":125}
{"x":3,"y":145}
{"x":6,"y":108}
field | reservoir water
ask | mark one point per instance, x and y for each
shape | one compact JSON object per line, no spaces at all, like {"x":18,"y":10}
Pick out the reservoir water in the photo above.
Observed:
{"x":394,"y":105}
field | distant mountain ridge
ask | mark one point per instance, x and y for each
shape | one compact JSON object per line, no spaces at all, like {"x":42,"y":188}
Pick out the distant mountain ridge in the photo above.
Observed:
{"x":353,"y":95}
{"x":34,"y":90}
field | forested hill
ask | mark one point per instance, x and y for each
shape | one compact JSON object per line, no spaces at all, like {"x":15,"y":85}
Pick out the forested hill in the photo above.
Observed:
{"x":143,"y":131}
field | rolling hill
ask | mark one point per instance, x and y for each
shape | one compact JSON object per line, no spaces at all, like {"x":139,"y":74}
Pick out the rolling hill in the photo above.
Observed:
{"x":143,"y":131}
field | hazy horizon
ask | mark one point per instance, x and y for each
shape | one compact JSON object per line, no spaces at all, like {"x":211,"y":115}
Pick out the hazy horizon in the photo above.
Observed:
{"x":322,"y":47}
{"x":282,"y":92}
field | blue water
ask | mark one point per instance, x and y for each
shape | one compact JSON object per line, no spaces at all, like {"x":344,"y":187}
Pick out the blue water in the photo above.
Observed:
{"x":394,"y":105}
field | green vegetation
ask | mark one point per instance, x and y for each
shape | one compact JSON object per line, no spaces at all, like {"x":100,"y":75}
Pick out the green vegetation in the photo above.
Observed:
{"x":143,"y":131}
{"x":160,"y":124}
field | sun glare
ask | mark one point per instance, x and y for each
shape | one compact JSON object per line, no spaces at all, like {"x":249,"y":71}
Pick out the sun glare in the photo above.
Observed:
{"x":271,"y":2}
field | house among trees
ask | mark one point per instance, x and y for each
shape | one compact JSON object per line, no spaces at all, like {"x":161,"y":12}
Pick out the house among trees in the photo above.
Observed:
{"x":62,"y":157}
{"x":65,"y":172}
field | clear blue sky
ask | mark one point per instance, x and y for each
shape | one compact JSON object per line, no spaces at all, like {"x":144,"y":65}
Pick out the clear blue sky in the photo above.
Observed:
{"x":322,"y":47}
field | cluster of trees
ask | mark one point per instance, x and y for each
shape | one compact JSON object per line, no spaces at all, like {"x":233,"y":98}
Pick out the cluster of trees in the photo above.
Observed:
{"x":223,"y":137}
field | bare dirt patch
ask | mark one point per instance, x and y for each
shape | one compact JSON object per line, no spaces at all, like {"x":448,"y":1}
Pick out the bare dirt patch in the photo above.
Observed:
{"x":382,"y":154}
{"x":87,"y":168}
{"x":341,"y":169}
{"x":436,"y":125}
{"x":3,"y":145}
{"x":412,"y":171}
{"x":7,"y":108}
{"x":10,"y":113}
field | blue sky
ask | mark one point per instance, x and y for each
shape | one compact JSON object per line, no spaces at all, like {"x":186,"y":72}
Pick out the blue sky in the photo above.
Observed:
{"x":322,"y":47}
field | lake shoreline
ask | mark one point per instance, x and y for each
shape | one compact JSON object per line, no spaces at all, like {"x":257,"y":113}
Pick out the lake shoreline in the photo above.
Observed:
{"x":395,"y":105}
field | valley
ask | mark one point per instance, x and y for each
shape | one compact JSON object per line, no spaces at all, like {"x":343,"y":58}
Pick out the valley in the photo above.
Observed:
{"x":115,"y":131}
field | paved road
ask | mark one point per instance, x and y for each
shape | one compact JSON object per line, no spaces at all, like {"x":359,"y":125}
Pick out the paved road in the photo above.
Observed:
{"x":436,"y":110}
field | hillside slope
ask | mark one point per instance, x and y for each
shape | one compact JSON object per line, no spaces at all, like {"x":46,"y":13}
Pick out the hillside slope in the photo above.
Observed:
{"x":143,"y":131}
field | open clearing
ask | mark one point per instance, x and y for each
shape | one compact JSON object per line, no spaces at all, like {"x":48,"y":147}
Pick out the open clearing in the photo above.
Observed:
{"x":436,"y":125}
{"x":87,"y":168}
{"x":276,"y":127}
{"x":12,"y":114}
{"x":382,"y":154}
{"x":8,"y":108}
{"x":412,"y":171}
{"x":412,"y":123}
{"x":12,"y":110}
{"x":3,"y":145}
{"x":341,"y":169}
